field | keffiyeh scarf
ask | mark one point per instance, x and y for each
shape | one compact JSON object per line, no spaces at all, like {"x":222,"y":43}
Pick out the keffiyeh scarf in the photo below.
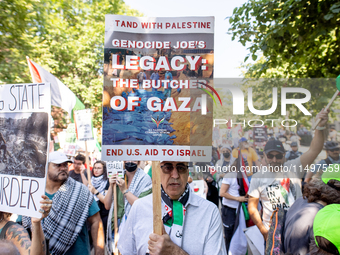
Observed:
{"x":99,"y":184}
{"x":173,"y":212}
{"x":69,"y":211}
{"x":141,"y":182}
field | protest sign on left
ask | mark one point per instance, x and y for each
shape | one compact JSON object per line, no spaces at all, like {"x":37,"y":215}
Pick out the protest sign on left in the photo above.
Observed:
{"x":25,"y":111}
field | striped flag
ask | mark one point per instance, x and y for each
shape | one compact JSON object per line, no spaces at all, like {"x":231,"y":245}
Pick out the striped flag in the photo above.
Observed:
{"x":242,"y":174}
{"x":61,"y":95}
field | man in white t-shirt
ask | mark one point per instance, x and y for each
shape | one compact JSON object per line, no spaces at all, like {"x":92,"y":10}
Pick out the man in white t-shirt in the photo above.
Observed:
{"x":278,"y":184}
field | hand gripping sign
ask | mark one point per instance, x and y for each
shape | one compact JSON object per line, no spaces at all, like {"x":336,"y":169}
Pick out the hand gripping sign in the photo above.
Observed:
{"x":158,"y":92}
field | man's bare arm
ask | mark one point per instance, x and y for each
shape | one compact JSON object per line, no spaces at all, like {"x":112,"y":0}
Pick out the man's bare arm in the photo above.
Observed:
{"x":316,"y":146}
{"x":97,"y":233}
{"x":255,"y":215}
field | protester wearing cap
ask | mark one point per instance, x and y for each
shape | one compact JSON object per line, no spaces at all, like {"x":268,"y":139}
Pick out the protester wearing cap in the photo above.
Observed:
{"x":192,"y":225}
{"x":293,"y":153}
{"x":326,"y":229}
{"x":332,"y":133}
{"x":298,"y":230}
{"x":332,"y":151}
{"x":249,"y":154}
{"x":73,"y":204}
{"x":278,"y":184}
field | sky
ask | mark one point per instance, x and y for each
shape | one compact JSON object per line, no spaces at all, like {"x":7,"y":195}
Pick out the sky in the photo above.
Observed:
{"x":229,"y":54}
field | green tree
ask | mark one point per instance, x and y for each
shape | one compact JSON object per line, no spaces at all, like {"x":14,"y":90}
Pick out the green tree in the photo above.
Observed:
{"x":65,"y":37}
{"x":302,"y":38}
{"x":290,"y":39}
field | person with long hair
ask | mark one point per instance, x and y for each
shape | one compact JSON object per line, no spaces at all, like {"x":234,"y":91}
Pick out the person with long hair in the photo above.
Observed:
{"x":99,"y":187}
{"x":17,"y":234}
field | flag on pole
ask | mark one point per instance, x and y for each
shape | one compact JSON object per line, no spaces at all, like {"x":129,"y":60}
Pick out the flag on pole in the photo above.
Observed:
{"x":61,"y":95}
{"x":241,"y":166}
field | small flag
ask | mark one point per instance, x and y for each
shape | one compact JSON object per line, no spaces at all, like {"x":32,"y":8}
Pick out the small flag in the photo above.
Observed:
{"x":61,"y":95}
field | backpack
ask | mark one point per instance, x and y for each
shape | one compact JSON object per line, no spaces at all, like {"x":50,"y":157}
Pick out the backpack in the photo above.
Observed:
{"x":274,"y":244}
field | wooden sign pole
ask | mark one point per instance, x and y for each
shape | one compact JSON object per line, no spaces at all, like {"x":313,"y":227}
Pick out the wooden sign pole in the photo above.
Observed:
{"x":87,"y":164}
{"x":156,"y":198}
{"x":115,"y":218}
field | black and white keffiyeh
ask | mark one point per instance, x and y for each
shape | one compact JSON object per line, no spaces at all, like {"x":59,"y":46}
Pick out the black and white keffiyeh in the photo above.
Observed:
{"x":69,"y":211}
{"x":141,"y":182}
{"x":99,"y":184}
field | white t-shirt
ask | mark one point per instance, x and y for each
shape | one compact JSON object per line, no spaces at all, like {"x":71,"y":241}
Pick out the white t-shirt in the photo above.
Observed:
{"x":202,"y":229}
{"x":274,"y":191}
{"x":231,"y":180}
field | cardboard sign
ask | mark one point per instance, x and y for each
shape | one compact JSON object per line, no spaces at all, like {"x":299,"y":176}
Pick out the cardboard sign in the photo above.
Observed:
{"x":198,"y":188}
{"x":158,"y":88}
{"x":25,"y":111}
{"x":260,"y":136}
{"x":83,"y":119}
{"x":114,"y":167}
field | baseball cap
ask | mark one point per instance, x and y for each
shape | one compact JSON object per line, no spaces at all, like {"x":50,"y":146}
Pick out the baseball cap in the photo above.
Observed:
{"x":243,"y":139}
{"x":274,"y":145}
{"x":329,"y":145}
{"x":331,"y":173}
{"x":326,"y":225}
{"x":293,"y":144}
{"x":58,"y":157}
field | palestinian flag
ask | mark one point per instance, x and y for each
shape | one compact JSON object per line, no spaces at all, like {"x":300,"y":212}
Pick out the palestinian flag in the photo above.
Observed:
{"x":61,"y":95}
{"x":242,"y":175}
{"x":212,"y":171}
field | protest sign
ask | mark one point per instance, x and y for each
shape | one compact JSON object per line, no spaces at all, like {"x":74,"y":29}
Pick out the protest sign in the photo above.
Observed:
{"x":114,"y":167}
{"x":198,"y":188}
{"x":68,"y":140}
{"x":260,"y":136}
{"x":24,"y":136}
{"x":83,"y":119}
{"x":158,"y":88}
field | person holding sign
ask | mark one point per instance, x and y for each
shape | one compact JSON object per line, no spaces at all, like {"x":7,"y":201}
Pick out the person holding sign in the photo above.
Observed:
{"x":138,"y":185}
{"x":100,"y":186}
{"x":73,"y":205}
{"x":19,"y":237}
{"x":192,"y":225}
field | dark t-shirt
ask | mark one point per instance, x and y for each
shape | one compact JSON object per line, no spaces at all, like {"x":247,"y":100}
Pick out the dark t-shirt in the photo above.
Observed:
{"x":77,"y":177}
{"x":298,"y":231}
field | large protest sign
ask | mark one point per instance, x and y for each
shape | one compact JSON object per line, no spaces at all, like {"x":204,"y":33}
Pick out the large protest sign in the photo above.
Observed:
{"x":24,"y":136}
{"x":260,"y":136}
{"x":158,"y":89}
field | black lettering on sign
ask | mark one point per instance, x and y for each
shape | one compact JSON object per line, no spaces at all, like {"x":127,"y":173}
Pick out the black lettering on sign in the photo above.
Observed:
{"x":22,"y":192}
{"x":12,"y":193}
{"x":9,"y":106}
{"x":40,"y":107}
{"x":31,"y":193}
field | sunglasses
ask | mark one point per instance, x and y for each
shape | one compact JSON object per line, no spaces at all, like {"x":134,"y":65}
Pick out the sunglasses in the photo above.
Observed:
{"x":277,"y":156}
{"x":65,"y":164}
{"x":333,"y":150}
{"x":167,"y":168}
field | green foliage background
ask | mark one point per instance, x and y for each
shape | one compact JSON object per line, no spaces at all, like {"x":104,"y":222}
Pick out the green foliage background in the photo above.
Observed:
{"x":65,"y":37}
{"x":291,"y":39}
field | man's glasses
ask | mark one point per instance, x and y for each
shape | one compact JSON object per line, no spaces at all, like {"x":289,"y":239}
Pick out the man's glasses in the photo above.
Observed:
{"x":167,"y":168}
{"x":277,"y":156}
{"x":337,"y":150}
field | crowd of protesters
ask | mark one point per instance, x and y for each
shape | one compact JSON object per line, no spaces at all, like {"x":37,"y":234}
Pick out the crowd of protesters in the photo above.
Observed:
{"x":81,"y":215}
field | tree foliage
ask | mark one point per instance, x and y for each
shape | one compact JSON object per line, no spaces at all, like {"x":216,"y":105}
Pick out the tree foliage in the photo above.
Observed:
{"x":290,"y":39}
{"x":301,"y":37}
{"x":65,"y":37}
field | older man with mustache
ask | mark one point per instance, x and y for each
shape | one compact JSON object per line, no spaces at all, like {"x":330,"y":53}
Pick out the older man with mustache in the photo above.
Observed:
{"x":192,"y":225}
